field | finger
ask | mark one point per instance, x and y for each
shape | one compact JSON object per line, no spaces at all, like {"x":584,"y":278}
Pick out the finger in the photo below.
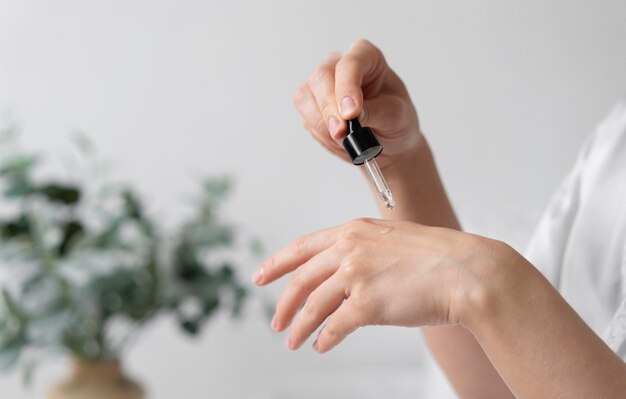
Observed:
{"x":294,"y":255}
{"x":322,"y":85}
{"x":322,"y":302}
{"x":304,"y":280}
{"x":343,"y":322}
{"x":386,"y":112}
{"x":360,"y":69}
{"x":307,"y":106}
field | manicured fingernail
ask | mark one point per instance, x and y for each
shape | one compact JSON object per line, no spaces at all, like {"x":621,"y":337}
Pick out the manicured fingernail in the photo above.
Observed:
{"x":288,"y":342}
{"x":315,"y":345}
{"x":333,"y":126}
{"x":347,"y":105}
{"x":258,"y":275}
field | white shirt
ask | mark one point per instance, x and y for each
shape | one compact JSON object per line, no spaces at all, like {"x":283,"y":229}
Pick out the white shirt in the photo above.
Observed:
{"x":580,"y":242}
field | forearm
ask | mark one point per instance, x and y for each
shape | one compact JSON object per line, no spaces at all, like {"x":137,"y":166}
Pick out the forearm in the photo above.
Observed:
{"x":536,"y":341}
{"x":420,"y":197}
{"x":417,"y":189}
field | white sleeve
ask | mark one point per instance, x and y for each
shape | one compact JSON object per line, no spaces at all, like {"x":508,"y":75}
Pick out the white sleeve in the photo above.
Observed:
{"x":615,"y":334}
{"x":550,"y":238}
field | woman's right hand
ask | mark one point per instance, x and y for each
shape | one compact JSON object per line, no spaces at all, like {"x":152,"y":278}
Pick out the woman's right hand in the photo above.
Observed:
{"x":359,"y":83}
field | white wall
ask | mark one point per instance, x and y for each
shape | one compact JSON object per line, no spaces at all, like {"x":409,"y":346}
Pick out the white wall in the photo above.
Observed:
{"x":169,"y":90}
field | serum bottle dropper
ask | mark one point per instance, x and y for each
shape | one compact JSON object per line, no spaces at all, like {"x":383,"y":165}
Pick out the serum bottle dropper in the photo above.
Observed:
{"x":363,"y":148}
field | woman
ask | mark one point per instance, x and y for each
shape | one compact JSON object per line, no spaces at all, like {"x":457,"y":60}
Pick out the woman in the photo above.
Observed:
{"x":496,"y":324}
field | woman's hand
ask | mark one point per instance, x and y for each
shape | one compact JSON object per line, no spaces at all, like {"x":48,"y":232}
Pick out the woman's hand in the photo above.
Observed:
{"x":358,"y":83}
{"x":370,"y":272}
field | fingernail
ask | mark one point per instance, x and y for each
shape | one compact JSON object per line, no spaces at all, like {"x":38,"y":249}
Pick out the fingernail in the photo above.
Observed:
{"x":333,"y":126}
{"x":347,"y":105}
{"x":258,"y":275}
{"x":315,"y":345}
{"x":274,"y":324}
{"x":288,"y":342}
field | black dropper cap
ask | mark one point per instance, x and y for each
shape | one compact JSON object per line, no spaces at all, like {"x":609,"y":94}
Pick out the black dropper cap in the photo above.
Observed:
{"x":360,"y":143}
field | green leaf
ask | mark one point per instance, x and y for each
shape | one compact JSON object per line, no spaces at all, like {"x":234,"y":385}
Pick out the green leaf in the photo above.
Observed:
{"x":191,"y":327}
{"x":133,"y":205}
{"x":17,"y":166}
{"x":34,"y":282}
{"x":240,"y":295}
{"x":107,"y":236}
{"x":16,"y":188}
{"x":9,"y":356}
{"x":210,"y":235}
{"x":15,"y":228}
{"x":72,"y":232}
{"x":12,"y":307}
{"x":185,"y":263}
{"x":60,"y":193}
{"x":217,"y":188}
{"x":225,"y":273}
{"x":12,"y":341}
{"x":210,"y":305}
{"x":124,"y":291}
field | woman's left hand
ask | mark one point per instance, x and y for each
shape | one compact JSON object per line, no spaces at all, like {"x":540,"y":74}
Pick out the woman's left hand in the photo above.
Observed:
{"x":378,"y":272}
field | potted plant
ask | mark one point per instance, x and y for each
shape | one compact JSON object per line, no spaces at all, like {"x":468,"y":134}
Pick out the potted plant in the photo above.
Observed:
{"x":86,"y":267}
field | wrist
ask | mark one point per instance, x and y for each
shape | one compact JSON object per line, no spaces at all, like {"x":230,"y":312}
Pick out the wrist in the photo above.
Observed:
{"x":417,"y":188}
{"x":401,"y":164}
{"x":497,"y":274}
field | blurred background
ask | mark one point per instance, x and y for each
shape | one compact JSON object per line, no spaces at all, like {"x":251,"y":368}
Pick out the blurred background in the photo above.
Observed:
{"x":169,"y":90}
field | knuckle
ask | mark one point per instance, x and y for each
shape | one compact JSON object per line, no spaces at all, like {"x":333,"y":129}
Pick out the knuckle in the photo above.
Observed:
{"x":353,"y":225}
{"x":331,"y":332}
{"x":310,"y":314}
{"x":346,"y":86}
{"x":300,"y":94}
{"x":358,"y":224}
{"x":322,"y":73}
{"x":365,"y":305}
{"x":345,"y":61}
{"x":360,"y":298}
{"x":296,"y":281}
{"x":370,"y":50}
{"x":320,"y":127}
{"x":366,"y":45}
{"x":331,"y":55}
{"x":348,"y":242}
{"x":299,"y":243}
{"x":349,"y":267}
{"x":363,"y":43}
{"x":326,"y":106}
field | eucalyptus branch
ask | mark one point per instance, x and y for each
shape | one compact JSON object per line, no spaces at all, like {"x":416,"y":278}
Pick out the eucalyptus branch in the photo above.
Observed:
{"x":99,"y":270}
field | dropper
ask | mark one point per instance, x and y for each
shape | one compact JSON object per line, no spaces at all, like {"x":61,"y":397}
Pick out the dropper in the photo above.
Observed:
{"x":363,"y":148}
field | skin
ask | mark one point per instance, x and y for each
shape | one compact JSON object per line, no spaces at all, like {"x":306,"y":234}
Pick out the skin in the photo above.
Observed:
{"x":494,"y":323}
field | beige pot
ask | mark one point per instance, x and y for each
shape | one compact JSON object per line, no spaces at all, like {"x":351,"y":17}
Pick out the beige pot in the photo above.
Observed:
{"x":99,"y":379}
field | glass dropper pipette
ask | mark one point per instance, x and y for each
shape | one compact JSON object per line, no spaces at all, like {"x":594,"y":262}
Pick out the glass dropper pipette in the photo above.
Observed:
{"x":363,"y":148}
